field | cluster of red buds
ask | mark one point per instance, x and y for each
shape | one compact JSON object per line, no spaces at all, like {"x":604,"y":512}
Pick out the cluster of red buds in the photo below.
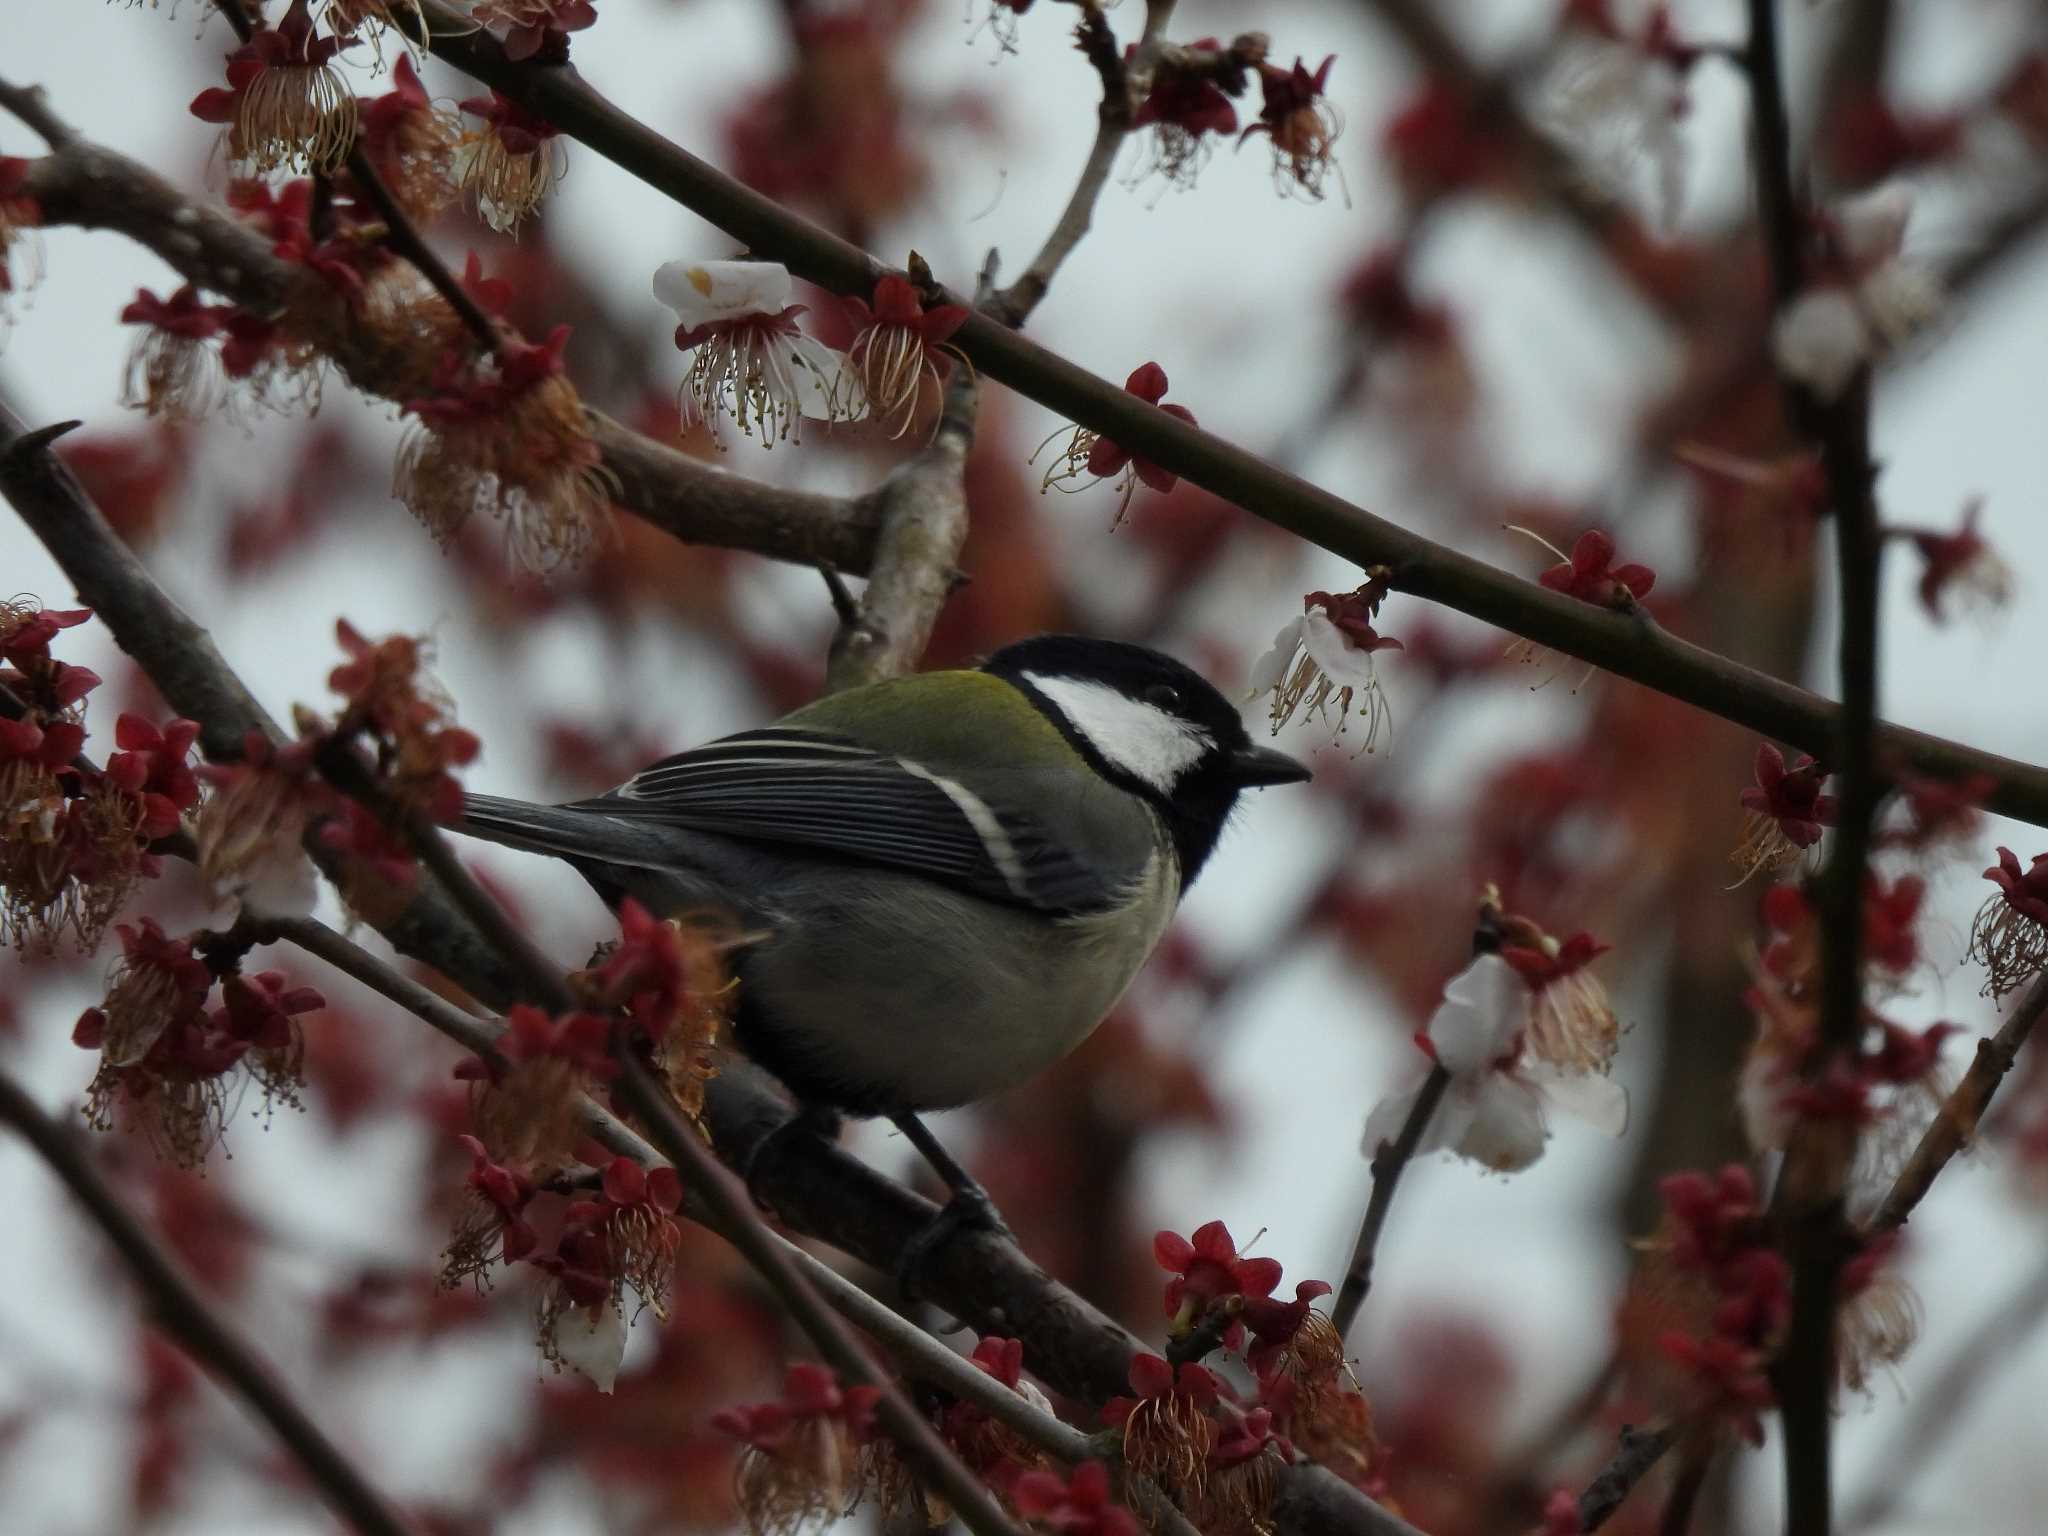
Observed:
{"x":802,"y":1460}
{"x":506,"y":434}
{"x":1189,"y":1428}
{"x":74,"y":840}
{"x":1782,"y":1083}
{"x":1716,"y":1237}
{"x":171,"y":1069}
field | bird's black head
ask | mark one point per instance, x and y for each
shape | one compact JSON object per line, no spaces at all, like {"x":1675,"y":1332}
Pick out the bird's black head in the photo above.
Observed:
{"x":1151,"y":725}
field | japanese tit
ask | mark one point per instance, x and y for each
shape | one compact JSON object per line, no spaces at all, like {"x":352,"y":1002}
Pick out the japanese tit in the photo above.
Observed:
{"x":954,"y":875}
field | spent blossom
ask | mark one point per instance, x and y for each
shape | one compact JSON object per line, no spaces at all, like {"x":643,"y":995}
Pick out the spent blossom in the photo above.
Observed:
{"x":898,"y":347}
{"x":801,"y":1461}
{"x":1187,"y":106}
{"x":506,"y":435}
{"x":411,"y":143}
{"x":285,"y":104}
{"x":1571,"y":1023}
{"x":173,"y":369}
{"x":1496,"y":1106}
{"x":1168,"y":1429}
{"x":1091,"y":454}
{"x":536,"y":27}
{"x":1961,"y":563}
{"x":1209,"y":1274}
{"x":1301,"y":124}
{"x":509,"y":164}
{"x":750,"y":362}
{"x":1325,"y":657}
{"x":2009,"y":936}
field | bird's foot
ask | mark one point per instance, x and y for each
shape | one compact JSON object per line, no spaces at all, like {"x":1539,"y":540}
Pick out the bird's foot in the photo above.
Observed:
{"x":967,"y":1211}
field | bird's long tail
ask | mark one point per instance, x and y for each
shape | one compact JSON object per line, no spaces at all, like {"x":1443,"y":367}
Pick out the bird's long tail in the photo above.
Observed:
{"x":556,"y":829}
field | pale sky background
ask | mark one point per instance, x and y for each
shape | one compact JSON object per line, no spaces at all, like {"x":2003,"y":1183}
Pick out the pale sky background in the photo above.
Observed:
{"x":1227,"y":290}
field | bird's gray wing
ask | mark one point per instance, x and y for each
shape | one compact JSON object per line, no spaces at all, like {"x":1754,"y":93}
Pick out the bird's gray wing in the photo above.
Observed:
{"x":798,"y":788}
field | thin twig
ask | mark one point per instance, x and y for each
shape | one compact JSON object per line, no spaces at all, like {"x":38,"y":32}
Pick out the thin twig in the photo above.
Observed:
{"x":1389,"y":1160}
{"x":1639,"y":1450}
{"x":1956,"y":1122}
{"x":720,"y":1192}
{"x":1627,"y":645}
{"x":178,"y":1309}
{"x":1014,"y":304}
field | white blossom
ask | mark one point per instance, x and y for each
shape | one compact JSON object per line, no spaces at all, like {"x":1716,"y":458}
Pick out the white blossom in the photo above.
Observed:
{"x":749,"y":361}
{"x":591,"y":1340}
{"x":1496,"y":1111}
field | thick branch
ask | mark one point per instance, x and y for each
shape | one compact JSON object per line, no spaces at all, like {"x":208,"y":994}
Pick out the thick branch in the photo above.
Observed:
{"x":178,"y":1309}
{"x":1629,"y":646}
{"x":923,"y":507}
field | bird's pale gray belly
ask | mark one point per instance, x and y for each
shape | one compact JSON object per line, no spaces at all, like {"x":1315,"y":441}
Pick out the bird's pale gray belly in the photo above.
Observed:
{"x":842,"y":1009}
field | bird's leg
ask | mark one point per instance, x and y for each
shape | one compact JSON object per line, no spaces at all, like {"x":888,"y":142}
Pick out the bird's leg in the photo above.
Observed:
{"x":811,"y":1121}
{"x":967,"y":1208}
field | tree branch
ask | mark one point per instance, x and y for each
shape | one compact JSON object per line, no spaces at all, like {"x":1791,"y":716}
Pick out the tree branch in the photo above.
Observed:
{"x":1956,"y":1122}
{"x":1639,"y":1450}
{"x":179,"y":1310}
{"x":91,"y":187}
{"x":1630,"y":646}
{"x":1389,"y":1160}
{"x":1809,"y":1199}
{"x":1120,"y":87}
{"x":923,"y":507}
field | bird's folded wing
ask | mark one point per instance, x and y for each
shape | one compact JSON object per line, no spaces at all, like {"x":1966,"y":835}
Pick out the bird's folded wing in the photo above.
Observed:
{"x":817,"y":791}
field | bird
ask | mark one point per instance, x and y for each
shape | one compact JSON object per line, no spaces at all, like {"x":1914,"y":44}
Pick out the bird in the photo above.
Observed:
{"x":947,"y":879}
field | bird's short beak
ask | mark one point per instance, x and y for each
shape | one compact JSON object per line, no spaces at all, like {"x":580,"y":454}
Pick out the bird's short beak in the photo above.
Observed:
{"x":1255,"y":766}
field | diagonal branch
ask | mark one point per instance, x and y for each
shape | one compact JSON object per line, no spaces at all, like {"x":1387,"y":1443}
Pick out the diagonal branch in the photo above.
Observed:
{"x":1956,"y":1122}
{"x":1389,"y":1160}
{"x":176,"y":1307}
{"x":83,"y":184}
{"x":1630,"y":646}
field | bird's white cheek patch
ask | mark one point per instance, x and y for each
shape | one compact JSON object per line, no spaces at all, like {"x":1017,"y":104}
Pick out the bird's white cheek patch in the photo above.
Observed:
{"x":1141,"y":739}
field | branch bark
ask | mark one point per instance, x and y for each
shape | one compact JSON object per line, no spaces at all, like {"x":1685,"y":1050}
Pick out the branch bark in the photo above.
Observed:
{"x":179,"y":1310}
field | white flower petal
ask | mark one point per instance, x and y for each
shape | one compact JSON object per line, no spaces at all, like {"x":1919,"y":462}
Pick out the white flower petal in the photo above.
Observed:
{"x":1485,"y":1006}
{"x":1900,"y":298}
{"x":1873,"y":223}
{"x":1821,"y":339}
{"x":1270,"y":671}
{"x":282,"y":887}
{"x":701,"y":292}
{"x":1507,"y":1132}
{"x":592,"y":1340}
{"x":1332,"y":650}
{"x":1589,"y":1096}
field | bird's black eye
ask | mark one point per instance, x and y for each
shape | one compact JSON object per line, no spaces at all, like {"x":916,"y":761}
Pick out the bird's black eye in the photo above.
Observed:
{"x":1162,"y":696}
